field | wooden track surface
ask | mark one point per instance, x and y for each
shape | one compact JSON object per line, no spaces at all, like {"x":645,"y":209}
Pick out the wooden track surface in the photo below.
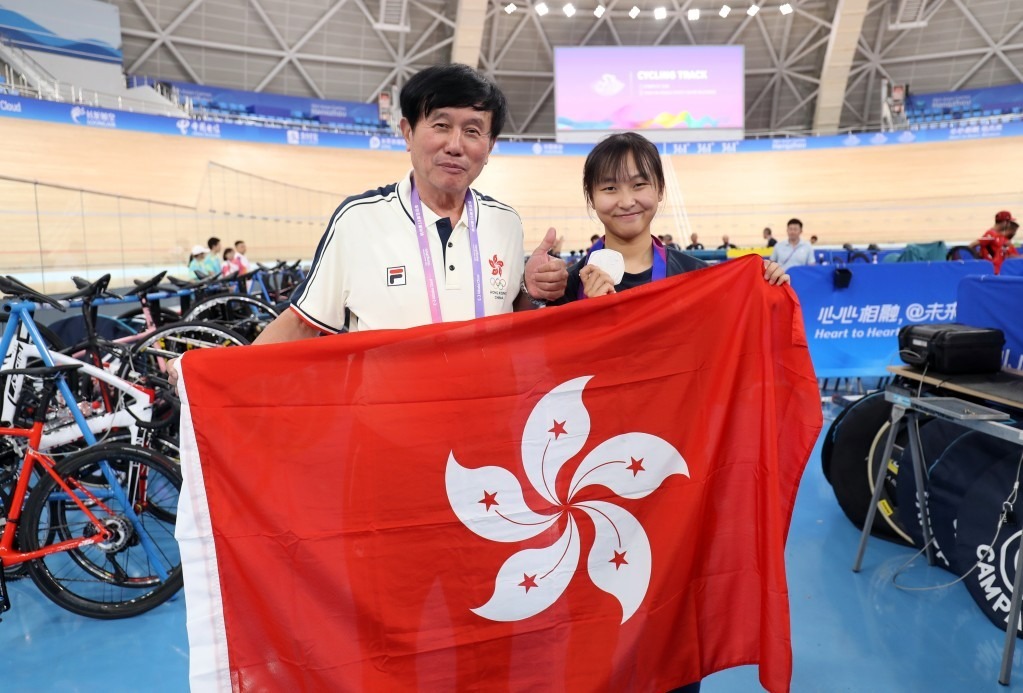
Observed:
{"x":899,"y":193}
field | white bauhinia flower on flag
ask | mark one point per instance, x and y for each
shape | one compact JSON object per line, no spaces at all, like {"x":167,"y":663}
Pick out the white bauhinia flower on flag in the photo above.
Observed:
{"x":490,"y":502}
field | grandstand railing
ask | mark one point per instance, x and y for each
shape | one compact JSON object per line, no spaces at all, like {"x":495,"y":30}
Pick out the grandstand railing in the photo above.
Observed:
{"x":52,"y":232}
{"x":69,"y":93}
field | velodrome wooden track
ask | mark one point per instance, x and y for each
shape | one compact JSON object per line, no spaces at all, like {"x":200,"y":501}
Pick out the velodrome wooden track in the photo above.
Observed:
{"x":916,"y":192}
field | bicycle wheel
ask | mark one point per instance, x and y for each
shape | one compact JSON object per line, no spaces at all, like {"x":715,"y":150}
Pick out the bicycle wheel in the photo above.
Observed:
{"x":150,"y":356}
{"x":119,"y":577}
{"x":246,"y":315}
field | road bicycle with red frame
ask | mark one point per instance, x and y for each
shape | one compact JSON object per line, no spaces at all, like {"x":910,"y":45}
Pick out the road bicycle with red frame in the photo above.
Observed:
{"x":95,"y":529}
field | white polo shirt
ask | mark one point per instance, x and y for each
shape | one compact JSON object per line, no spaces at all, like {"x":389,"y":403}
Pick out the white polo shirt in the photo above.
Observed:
{"x":788,"y":255}
{"x":369,"y":263}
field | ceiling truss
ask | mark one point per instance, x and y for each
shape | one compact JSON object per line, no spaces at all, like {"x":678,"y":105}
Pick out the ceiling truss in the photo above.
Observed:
{"x":353,"y":49}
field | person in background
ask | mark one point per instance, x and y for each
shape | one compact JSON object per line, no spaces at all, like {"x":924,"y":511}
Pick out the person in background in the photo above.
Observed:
{"x":239,"y":256}
{"x":213,"y":261}
{"x":795,"y":251}
{"x":725,"y":243}
{"x":694,"y":242}
{"x":1007,"y":250}
{"x":555,"y":250}
{"x":669,"y":242}
{"x":197,"y":263}
{"x":230,"y":263}
{"x":813,"y":240}
{"x":769,"y":239}
{"x":996,"y":243}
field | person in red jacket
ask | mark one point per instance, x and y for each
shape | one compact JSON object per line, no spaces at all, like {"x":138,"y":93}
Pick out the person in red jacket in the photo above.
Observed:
{"x":996,"y":243}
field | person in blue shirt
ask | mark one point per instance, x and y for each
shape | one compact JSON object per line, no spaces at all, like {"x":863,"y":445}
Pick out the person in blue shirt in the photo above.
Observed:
{"x":795,"y":251}
{"x":213,"y":262}
{"x":197,"y":268}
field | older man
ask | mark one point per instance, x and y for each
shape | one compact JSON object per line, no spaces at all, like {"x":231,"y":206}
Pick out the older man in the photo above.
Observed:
{"x":427,"y":248}
{"x":795,"y":251}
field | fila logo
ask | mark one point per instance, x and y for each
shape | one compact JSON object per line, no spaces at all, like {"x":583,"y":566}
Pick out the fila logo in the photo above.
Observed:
{"x":396,"y":276}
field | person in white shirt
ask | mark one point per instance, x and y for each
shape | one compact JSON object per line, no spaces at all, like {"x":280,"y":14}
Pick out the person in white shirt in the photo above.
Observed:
{"x":239,"y":256}
{"x":427,"y":248}
{"x":795,"y":251}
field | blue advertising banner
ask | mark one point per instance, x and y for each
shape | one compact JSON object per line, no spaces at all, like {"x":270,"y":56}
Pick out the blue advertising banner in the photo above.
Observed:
{"x":55,"y":112}
{"x":993,"y":301}
{"x":854,"y":331}
{"x":262,"y":103}
{"x":987,"y":99}
{"x":76,"y":28}
{"x":1012,"y":268}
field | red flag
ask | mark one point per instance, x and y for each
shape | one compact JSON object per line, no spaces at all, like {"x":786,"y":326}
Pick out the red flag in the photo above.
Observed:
{"x":592,"y":497}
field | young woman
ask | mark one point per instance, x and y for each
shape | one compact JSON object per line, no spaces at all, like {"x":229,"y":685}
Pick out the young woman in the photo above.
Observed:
{"x":624,"y":184}
{"x":231,"y":263}
{"x":623,"y":181}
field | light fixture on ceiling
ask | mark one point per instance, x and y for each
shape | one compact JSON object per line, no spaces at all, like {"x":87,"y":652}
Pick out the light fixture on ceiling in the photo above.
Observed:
{"x":510,"y":7}
{"x":541,"y":9}
{"x":568,"y":9}
{"x":785,"y":9}
{"x":599,"y":12}
{"x":725,"y":9}
{"x":660,"y":13}
{"x":634,"y":12}
{"x":693,"y":15}
{"x":752,"y":11}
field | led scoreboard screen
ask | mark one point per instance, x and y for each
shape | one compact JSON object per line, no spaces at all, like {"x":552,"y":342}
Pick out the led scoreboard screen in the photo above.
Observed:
{"x":670,"y":93}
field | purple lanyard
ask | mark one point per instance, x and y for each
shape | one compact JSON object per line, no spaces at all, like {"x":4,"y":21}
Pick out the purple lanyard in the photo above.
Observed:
{"x":424,"y":251}
{"x":658,"y":271}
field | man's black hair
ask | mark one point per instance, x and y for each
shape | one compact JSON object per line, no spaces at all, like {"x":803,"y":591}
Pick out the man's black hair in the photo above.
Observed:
{"x":213,"y":240}
{"x":452,"y":86}
{"x":237,"y":242}
{"x":796,"y":222}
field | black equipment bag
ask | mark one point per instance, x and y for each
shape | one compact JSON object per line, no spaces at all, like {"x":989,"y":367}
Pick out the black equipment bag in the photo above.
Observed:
{"x":952,"y":348}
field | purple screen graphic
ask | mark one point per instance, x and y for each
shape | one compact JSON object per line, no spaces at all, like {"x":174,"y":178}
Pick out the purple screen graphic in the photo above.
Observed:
{"x":661,"y":89}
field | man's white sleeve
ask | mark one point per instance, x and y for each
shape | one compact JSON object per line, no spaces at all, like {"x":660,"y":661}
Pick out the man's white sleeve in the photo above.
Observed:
{"x":320,"y":300}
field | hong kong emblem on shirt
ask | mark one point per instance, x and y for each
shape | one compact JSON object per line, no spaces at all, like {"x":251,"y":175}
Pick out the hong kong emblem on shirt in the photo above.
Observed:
{"x":498,"y":282}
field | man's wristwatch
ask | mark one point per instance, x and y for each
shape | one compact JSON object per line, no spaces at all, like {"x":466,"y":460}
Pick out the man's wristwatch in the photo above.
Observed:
{"x":538,"y":302}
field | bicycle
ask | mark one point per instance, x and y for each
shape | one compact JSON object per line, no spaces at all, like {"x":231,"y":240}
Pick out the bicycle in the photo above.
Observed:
{"x":238,"y":312}
{"x":97,"y":529}
{"x":126,"y":406}
{"x":141,"y":357}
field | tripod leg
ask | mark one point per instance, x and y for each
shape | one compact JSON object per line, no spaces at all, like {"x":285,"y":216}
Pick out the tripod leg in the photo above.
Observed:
{"x":893,"y":430}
